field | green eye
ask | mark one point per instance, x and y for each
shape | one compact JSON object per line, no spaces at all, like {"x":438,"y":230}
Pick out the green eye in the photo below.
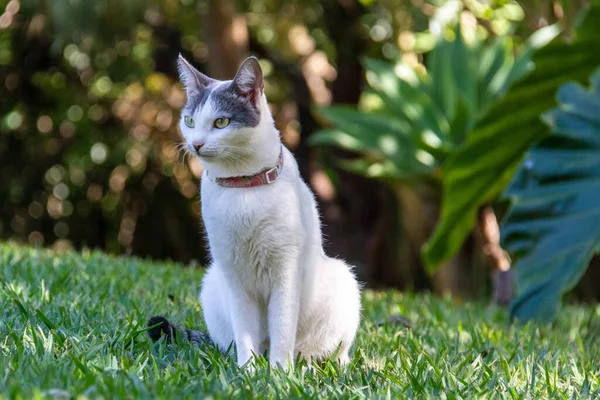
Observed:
{"x":221,"y":123}
{"x":188,"y":121}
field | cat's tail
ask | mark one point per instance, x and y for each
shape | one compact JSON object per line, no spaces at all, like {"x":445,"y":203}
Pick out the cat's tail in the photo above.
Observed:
{"x":160,"y":326}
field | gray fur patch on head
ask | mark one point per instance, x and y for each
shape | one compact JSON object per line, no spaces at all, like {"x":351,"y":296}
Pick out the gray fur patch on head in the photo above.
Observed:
{"x":237,"y":99}
{"x":196,"y":100}
{"x":240,"y":99}
{"x":241,"y":111}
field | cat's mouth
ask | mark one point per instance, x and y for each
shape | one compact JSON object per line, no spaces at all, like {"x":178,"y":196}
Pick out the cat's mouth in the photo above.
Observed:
{"x":203,"y":153}
{"x":206,"y":154}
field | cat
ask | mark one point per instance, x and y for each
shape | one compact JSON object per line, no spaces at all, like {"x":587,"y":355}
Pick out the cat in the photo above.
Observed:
{"x":270,"y":285}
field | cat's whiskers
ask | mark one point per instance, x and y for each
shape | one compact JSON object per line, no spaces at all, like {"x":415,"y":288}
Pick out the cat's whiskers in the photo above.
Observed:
{"x":174,"y":147}
{"x":182,"y":147}
{"x":232,"y":158}
{"x":242,"y":150}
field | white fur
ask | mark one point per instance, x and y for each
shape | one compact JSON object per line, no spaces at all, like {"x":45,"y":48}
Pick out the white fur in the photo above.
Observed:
{"x":270,"y":285}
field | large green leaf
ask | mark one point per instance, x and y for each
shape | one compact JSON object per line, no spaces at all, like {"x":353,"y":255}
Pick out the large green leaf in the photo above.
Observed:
{"x":478,"y":171}
{"x":387,"y":138}
{"x":408,"y":98}
{"x":420,"y":118}
{"x":553,"y":226}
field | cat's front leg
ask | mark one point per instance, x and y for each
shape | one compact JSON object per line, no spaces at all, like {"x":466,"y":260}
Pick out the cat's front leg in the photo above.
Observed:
{"x":283,"y":310}
{"x":245,"y":319}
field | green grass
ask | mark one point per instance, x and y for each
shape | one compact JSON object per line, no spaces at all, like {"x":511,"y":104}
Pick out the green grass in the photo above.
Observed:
{"x":74,"y":325}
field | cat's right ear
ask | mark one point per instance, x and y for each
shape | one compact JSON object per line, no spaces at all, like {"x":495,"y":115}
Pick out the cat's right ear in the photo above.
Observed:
{"x":193,"y":80}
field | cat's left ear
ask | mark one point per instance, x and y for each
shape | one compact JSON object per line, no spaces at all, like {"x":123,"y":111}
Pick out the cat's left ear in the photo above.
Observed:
{"x":248,"y":81}
{"x":193,"y":80}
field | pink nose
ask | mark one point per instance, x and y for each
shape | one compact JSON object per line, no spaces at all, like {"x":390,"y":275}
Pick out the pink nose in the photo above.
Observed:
{"x":197,"y":145}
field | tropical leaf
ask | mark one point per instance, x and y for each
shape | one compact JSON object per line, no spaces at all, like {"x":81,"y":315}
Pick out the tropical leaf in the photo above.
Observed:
{"x":474,"y":174}
{"x":418,"y":119}
{"x":553,"y":226}
{"x":407,"y":96}
{"x":388,"y":138}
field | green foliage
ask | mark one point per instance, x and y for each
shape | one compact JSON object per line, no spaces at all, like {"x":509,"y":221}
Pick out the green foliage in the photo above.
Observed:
{"x":481,"y":168}
{"x":411,"y":121}
{"x":88,"y":128}
{"x":412,"y":125}
{"x":553,"y":227}
{"x":74,"y":325}
{"x":90,"y":105}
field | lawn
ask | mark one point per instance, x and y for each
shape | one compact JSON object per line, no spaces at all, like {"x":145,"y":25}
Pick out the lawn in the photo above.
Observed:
{"x":74,"y":325}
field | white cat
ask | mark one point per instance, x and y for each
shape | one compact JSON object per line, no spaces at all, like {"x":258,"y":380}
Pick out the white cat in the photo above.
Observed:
{"x":270,"y":284}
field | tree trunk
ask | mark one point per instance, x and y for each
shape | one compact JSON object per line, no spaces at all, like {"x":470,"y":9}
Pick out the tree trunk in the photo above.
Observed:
{"x":497,"y":258}
{"x":227,"y":39}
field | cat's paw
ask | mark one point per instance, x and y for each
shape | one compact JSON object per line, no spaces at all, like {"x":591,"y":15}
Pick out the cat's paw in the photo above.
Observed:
{"x":344,"y":360}
{"x":249,"y":367}
{"x":284,"y":365}
{"x":247,"y":361}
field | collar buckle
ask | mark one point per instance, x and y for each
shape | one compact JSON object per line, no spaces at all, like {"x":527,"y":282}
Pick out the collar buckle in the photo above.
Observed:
{"x":272,"y":174}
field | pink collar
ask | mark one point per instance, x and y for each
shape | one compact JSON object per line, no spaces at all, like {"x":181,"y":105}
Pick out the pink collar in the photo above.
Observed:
{"x":262,"y":178}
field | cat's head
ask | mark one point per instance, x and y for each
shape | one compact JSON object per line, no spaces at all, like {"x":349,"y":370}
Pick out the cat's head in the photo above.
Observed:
{"x":222,"y":119}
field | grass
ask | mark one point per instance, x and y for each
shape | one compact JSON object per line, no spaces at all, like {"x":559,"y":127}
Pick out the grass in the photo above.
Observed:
{"x":73,"y":325}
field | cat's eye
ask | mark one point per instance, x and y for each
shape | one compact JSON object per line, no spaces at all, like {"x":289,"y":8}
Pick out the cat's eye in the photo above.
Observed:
{"x":221,"y":123}
{"x":189,"y":121}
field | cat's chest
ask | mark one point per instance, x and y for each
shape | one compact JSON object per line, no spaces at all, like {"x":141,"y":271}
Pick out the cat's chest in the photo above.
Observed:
{"x":237,"y":212}
{"x":250,"y":230}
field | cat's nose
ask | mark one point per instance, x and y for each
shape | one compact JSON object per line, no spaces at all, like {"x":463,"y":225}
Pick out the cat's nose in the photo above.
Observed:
{"x":197,"y":145}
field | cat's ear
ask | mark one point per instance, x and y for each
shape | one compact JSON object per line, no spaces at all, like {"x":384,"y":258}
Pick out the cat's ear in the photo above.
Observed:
{"x":193,"y":80}
{"x":248,"y":81}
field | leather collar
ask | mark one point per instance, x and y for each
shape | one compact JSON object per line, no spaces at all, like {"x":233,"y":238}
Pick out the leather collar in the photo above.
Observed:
{"x":264,"y":177}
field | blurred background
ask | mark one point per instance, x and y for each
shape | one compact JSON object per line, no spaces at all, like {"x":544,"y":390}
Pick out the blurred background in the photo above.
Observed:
{"x":373,"y":97}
